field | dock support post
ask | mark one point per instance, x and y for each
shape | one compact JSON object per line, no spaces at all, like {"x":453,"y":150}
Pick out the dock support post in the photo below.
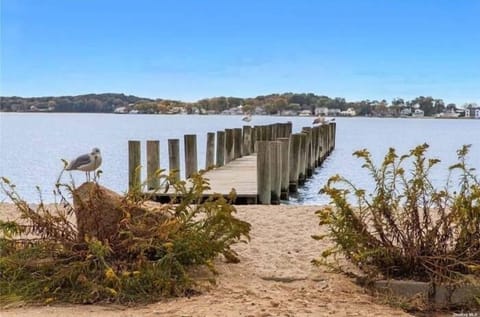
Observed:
{"x":174,"y":157}
{"x":308,"y":152}
{"x":303,"y":158}
{"x":294,"y":158}
{"x":285,"y":149}
{"x":247,"y":140}
{"x":263,"y":173}
{"x":153,"y":163}
{"x":190,"y":154}
{"x":134,"y":174}
{"x":237,"y":143}
{"x":220,"y":148}
{"x":276,"y":171}
{"x":229,"y":149}
{"x":210,"y":151}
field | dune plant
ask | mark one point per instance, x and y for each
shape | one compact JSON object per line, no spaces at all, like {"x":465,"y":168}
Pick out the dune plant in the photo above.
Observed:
{"x":43,"y":260}
{"x":406,"y":228}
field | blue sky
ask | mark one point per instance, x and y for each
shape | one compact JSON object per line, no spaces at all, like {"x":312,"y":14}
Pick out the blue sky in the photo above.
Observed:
{"x":189,"y":50}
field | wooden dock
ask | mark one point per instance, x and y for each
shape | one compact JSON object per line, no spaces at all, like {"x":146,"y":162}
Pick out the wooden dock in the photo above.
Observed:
{"x":263,"y":164}
{"x":240,"y":174}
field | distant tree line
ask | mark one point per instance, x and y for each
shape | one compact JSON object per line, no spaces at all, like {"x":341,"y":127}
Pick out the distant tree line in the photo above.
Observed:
{"x":271,"y":104}
{"x":83,"y":103}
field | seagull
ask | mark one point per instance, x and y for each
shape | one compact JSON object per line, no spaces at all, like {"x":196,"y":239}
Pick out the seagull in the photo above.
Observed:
{"x":86,"y":162}
{"x":319,"y":120}
{"x":247,"y":118}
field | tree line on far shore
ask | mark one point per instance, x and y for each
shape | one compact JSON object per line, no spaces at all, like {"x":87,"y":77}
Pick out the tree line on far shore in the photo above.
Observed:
{"x":270,"y":104}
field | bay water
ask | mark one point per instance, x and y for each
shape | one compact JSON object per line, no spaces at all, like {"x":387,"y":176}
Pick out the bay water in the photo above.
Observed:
{"x":33,"y":144}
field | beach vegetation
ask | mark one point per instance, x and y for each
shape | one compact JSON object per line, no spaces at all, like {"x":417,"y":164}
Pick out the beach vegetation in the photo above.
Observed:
{"x":150,"y":254}
{"x":407,"y":228}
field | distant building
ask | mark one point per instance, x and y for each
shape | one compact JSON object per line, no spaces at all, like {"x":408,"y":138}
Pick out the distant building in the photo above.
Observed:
{"x":406,"y":112}
{"x":473,"y":112}
{"x":350,"y":112}
{"x":305,"y":113}
{"x":418,"y":113}
{"x":120,"y":110}
{"x":334,"y":112}
{"x":321,"y":111}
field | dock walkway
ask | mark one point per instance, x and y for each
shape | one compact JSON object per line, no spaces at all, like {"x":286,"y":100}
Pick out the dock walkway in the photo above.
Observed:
{"x":240,"y":174}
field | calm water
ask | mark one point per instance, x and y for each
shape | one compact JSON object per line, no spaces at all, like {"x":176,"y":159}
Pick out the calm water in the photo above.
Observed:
{"x":32,"y":145}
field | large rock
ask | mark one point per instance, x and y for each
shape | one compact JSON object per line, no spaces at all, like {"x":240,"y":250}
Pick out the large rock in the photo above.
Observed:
{"x":100,"y":211}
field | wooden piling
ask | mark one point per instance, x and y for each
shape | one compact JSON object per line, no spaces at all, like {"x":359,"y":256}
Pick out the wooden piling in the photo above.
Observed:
{"x":190,"y":142}
{"x":294,"y":159}
{"x":264,"y":186}
{"x":153,"y":163}
{"x":134,"y":174}
{"x":276,"y":171}
{"x":210,"y":151}
{"x":247,"y":140}
{"x":229,"y":148}
{"x":303,"y":157}
{"x":253,"y":140}
{"x":220,"y":148}
{"x":285,"y":150}
{"x":174,"y":157}
{"x":237,"y":143}
{"x":308,"y":152}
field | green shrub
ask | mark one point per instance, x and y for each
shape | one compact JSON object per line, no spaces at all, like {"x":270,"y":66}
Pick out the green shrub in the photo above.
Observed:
{"x":406,"y":228}
{"x":43,"y":260}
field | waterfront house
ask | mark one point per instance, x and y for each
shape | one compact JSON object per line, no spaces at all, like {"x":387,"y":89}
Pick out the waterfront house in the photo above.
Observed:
{"x":472,"y":112}
{"x":418,"y":113}
{"x":319,"y":111}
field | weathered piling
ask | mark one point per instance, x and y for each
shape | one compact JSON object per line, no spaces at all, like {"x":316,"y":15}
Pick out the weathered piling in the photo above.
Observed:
{"x":308,"y":151}
{"x":210,"y":151}
{"x":302,"y":168}
{"x":264,"y":185}
{"x":220,"y":148}
{"x":237,"y":143}
{"x":134,"y":175}
{"x":285,"y":150}
{"x":153,"y":163}
{"x":276,"y":171}
{"x":247,"y":140}
{"x":174,"y":157}
{"x":229,"y":148}
{"x":294,"y":159}
{"x":253,"y":140}
{"x":190,"y":154}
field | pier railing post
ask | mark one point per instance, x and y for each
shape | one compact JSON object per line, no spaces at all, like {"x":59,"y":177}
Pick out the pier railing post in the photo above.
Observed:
{"x":174,"y":157}
{"x":264,"y":185}
{"x":190,"y":154}
{"x":210,"y":151}
{"x":253,"y":140}
{"x":153,"y":163}
{"x":134,"y":174}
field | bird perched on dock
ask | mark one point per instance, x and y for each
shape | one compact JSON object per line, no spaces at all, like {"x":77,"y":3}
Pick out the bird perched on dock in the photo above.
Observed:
{"x":86,"y":162}
{"x":247,"y":118}
{"x":322,"y":120}
{"x":319,"y":120}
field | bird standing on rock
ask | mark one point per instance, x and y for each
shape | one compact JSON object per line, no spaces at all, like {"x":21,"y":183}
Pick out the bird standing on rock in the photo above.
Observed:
{"x":86,"y":162}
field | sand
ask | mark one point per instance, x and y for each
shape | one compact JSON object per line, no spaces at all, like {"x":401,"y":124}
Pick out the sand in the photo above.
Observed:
{"x":274,"y":278}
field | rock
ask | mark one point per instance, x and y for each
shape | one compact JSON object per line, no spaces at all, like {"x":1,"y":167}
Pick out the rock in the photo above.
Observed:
{"x":99,"y":212}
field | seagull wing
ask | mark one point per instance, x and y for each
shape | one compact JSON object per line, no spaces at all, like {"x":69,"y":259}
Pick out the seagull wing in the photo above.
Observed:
{"x":79,"y":161}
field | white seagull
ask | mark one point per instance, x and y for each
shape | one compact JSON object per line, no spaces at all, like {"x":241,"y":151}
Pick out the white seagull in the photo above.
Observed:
{"x":86,"y":162}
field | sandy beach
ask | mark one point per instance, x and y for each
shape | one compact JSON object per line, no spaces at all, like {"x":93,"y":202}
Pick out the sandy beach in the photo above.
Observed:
{"x":274,"y":278}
